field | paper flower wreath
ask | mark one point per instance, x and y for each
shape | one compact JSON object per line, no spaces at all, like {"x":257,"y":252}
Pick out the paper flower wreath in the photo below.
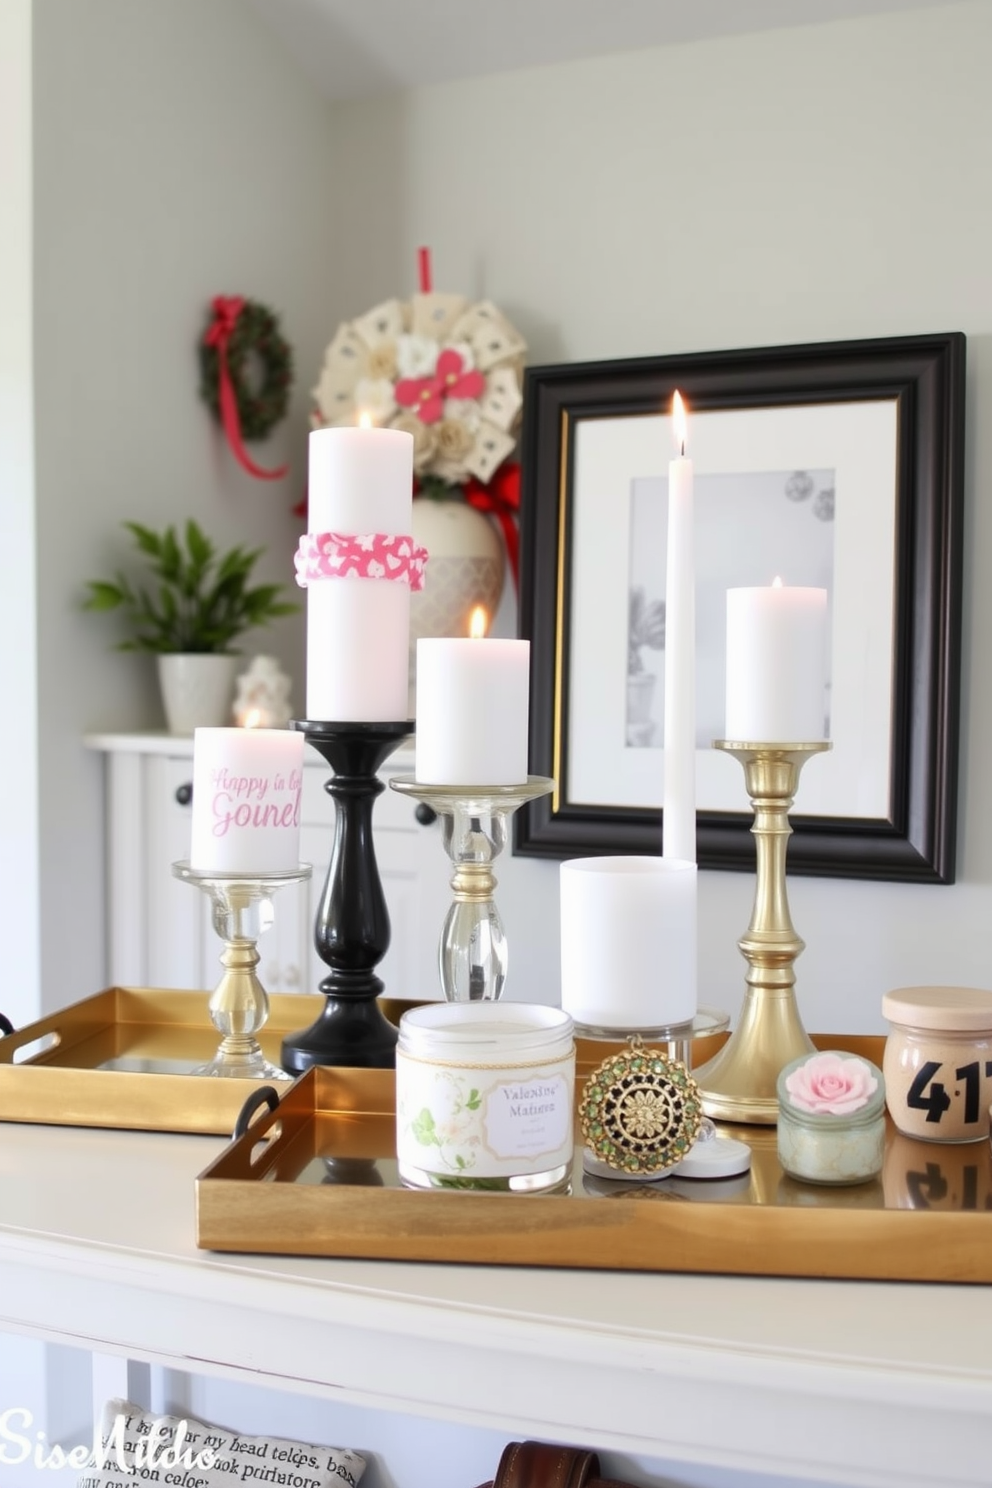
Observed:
{"x":446,"y":370}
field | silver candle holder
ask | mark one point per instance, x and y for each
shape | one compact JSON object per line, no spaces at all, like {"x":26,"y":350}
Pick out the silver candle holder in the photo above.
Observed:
{"x":472,"y":951}
{"x":241,"y":911}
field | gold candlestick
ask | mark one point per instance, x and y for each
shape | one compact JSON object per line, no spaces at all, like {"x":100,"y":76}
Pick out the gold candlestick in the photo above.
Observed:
{"x":738,"y":1084}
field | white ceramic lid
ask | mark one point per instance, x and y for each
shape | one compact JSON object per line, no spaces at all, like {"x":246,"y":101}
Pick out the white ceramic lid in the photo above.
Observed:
{"x":959,"y":1009}
{"x":491,"y":1031}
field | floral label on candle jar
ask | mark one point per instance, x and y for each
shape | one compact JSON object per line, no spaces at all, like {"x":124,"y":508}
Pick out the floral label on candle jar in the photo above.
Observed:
{"x":831,"y":1085}
{"x":475,"y":1123}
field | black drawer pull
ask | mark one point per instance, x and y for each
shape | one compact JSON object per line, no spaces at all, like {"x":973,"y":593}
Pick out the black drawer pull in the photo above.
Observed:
{"x":184,"y":793}
{"x":426,"y":815}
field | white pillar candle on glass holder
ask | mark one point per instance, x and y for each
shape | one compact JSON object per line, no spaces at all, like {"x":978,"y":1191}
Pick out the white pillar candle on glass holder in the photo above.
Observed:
{"x":246,"y":800}
{"x":358,"y":629}
{"x":628,"y":942}
{"x":776,"y":665}
{"x":473,"y":698}
{"x":679,"y":798}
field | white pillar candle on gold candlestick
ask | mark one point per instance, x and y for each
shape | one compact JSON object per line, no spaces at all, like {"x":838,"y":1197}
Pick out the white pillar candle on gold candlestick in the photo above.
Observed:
{"x":246,"y":800}
{"x":679,"y":799}
{"x":473,"y":699}
{"x":358,"y":629}
{"x":628,"y":942}
{"x":776,"y":665}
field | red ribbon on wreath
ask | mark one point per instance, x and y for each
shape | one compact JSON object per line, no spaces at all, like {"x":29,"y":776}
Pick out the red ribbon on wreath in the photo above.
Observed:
{"x":501,"y":498}
{"x":226,"y":310}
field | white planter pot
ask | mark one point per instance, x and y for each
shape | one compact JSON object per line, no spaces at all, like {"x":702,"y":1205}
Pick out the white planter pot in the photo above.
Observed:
{"x":197,"y":690}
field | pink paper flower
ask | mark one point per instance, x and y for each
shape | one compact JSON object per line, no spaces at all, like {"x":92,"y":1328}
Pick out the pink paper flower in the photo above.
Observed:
{"x":423,"y":395}
{"x":831,"y":1084}
{"x":451,"y":379}
{"x":456,"y":379}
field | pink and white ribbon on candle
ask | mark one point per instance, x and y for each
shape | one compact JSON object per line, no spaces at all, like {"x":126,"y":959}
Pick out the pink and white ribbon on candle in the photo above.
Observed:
{"x":360,"y":555}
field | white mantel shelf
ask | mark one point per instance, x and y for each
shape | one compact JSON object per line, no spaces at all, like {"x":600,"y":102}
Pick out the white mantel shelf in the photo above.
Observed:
{"x":840,"y":1382}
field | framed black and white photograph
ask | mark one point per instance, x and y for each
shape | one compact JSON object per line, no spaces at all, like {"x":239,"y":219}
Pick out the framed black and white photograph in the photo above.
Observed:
{"x":837,"y":467}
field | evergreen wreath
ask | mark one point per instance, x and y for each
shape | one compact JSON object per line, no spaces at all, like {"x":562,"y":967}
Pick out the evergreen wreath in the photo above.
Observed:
{"x":254,"y":341}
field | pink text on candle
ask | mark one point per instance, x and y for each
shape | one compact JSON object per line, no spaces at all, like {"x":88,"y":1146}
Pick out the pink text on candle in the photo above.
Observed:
{"x":234,"y":794}
{"x":272,"y":814}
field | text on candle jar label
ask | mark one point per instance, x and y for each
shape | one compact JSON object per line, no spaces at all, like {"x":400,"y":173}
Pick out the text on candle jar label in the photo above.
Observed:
{"x":254,"y":800}
{"x":528,"y":1117}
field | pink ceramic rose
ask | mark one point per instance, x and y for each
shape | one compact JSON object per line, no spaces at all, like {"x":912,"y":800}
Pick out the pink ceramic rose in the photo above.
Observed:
{"x":831,"y":1085}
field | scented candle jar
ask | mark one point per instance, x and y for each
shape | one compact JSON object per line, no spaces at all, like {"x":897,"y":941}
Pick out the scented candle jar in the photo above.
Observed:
{"x":484,"y":1096}
{"x":831,"y":1118}
{"x":938,"y":1062}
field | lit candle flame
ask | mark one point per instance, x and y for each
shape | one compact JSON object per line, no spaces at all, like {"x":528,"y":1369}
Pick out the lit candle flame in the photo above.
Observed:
{"x":365,"y":419}
{"x":478,"y":623}
{"x":679,"y":421}
{"x":252,"y":718}
{"x":776,"y":582}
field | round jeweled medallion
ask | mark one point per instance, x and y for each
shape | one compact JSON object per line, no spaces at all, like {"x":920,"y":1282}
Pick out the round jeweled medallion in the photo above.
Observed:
{"x":640,"y":1111}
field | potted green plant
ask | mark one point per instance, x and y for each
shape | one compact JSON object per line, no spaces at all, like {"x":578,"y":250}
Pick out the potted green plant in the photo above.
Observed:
{"x":190,"y":608}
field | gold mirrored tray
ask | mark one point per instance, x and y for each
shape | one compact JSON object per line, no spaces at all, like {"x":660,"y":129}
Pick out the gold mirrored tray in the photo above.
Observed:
{"x":125,"y":1058}
{"x":317,"y":1176}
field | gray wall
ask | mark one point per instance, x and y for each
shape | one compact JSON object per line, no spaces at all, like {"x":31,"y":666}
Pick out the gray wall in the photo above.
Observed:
{"x":178,"y":154}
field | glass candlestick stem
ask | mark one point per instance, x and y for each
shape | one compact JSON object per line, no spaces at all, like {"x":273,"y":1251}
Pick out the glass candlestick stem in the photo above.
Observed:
{"x":472,"y":952}
{"x":239,"y":1007}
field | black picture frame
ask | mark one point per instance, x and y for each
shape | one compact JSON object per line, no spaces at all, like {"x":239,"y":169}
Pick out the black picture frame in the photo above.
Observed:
{"x":925,"y":376}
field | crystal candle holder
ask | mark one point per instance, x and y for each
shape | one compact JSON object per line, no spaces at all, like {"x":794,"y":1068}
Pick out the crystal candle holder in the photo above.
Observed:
{"x":739,"y":1083}
{"x":242,"y":910}
{"x":472,"y":952}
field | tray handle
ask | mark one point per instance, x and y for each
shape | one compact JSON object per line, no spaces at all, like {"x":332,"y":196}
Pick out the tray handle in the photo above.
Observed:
{"x":5,"y":1025}
{"x":265,"y":1095}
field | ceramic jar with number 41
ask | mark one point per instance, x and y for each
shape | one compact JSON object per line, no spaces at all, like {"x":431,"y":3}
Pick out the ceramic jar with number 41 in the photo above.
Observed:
{"x":938,"y":1062}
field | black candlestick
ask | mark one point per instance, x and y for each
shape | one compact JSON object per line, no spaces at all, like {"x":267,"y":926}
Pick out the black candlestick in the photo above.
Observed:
{"x":351,"y":932}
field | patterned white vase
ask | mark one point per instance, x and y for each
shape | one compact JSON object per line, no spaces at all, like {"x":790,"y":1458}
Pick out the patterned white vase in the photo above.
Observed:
{"x":466,"y":567}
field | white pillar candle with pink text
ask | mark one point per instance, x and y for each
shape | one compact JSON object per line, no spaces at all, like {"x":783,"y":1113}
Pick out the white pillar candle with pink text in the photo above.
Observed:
{"x":246,"y":801}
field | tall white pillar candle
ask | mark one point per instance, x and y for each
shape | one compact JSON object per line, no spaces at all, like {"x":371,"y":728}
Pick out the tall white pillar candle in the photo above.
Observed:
{"x":628,"y":942}
{"x":776,"y":665}
{"x":679,"y":798}
{"x":358,"y":629}
{"x":472,"y":711}
{"x":246,"y":800}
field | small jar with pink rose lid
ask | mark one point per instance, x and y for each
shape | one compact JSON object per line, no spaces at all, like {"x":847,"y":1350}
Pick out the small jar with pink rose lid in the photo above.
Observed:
{"x":831,"y":1118}
{"x":938,"y":1062}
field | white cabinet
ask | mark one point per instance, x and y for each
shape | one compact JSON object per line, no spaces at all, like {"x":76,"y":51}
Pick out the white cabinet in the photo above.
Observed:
{"x":158,"y":928}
